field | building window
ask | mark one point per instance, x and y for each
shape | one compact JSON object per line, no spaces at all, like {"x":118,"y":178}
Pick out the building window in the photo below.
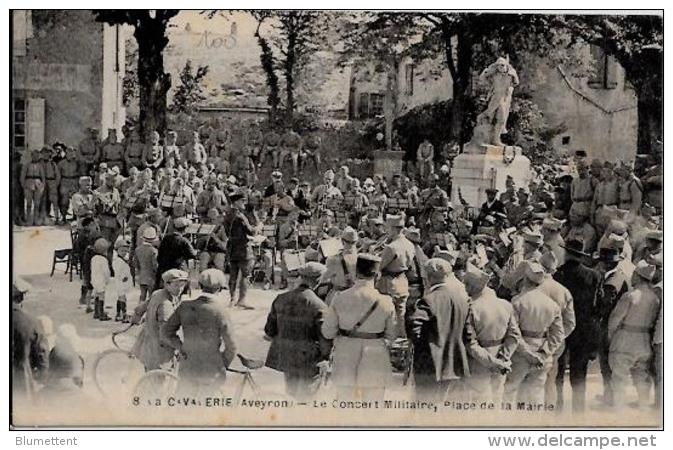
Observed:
{"x":363,"y":105}
{"x":565,"y":140}
{"x":375,"y":105}
{"x":605,"y":76}
{"x":19,"y":111}
{"x":409,"y":79}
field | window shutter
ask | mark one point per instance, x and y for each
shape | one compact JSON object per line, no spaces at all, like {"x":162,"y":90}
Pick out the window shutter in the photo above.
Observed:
{"x":363,"y":107}
{"x":34,"y":123}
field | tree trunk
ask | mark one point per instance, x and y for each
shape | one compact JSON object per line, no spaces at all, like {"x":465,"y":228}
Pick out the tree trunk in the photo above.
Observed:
{"x":289,"y":76}
{"x":154,"y":83}
{"x":649,"y":121}
{"x":390,"y":105}
{"x":266,"y":59}
{"x":461,"y":73}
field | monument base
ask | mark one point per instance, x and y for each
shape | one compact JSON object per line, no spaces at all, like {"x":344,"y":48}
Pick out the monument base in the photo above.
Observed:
{"x":388,"y":163}
{"x":472,"y":173}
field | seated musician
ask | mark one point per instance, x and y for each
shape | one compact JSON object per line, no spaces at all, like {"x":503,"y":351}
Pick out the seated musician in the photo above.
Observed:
{"x":287,"y":240}
{"x":327,"y":228}
{"x":366,"y":226}
{"x":212,"y":247}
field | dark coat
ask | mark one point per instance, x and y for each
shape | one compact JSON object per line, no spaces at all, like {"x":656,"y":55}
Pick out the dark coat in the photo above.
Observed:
{"x":174,"y":253}
{"x":239,"y":228}
{"x":294,"y":323}
{"x":584,"y":286}
{"x":437,"y":333}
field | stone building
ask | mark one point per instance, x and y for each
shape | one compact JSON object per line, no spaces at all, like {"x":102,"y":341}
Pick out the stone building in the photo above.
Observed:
{"x":67,"y":74}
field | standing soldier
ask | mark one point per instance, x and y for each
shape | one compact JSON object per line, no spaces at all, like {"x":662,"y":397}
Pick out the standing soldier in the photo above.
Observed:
{"x":271,"y":146}
{"x":69,"y":180}
{"x":171,"y":149}
{"x":112,"y":150}
{"x":89,"y":153}
{"x":630,"y":335}
{"x":492,"y":335}
{"x":432,"y":197}
{"x":397,"y":258}
{"x":425,"y":156}
{"x":340,"y":272}
{"x":582,"y":343}
{"x":580,"y":229}
{"x":360,"y":319}
{"x":107,"y":204}
{"x":52,"y":180}
{"x":134,"y":152}
{"x":605,"y":194}
{"x":154,"y":152}
{"x":312,"y":150}
{"x":582,"y":190}
{"x":241,"y":258}
{"x":563,"y":298}
{"x":539,"y":319}
{"x":297,"y":345}
{"x":630,"y":190}
{"x":33,"y":183}
{"x":615,"y":284}
{"x":194,"y":152}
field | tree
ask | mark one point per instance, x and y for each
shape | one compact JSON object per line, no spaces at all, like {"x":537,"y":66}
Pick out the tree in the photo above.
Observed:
{"x":189,"y":93}
{"x":150,"y":27}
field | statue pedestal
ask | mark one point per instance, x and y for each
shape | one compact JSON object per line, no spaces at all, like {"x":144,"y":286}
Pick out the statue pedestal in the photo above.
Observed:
{"x":388,"y":163}
{"x":474,"y":171}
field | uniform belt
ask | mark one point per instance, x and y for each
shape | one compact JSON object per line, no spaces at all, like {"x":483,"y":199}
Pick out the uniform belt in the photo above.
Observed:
{"x":490,"y":342}
{"x":534,"y":334}
{"x":51,"y":179}
{"x":33,"y":178}
{"x":390,"y":274}
{"x":635,"y":328}
{"x":360,"y":334}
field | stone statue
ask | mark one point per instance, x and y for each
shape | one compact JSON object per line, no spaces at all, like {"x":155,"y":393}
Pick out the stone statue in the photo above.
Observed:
{"x":501,"y":79}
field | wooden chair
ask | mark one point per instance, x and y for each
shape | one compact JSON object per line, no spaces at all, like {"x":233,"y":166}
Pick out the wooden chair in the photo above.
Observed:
{"x":66,"y":256}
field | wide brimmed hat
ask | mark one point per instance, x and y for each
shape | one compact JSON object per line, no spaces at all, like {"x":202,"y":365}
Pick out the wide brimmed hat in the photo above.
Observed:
{"x":174,"y":274}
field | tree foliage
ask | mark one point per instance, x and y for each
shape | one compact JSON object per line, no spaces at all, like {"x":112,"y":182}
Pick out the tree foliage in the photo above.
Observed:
{"x":190,"y":92}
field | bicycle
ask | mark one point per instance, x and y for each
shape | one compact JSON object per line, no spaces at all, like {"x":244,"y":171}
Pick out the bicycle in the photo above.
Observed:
{"x":106,"y":375}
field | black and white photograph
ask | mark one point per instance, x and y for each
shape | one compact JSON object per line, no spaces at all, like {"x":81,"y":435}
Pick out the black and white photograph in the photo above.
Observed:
{"x":322,"y":218}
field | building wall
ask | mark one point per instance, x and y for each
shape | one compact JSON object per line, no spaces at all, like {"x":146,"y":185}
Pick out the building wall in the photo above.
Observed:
{"x":62,"y":67}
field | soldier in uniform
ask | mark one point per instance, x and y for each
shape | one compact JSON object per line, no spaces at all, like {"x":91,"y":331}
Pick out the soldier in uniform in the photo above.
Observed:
{"x":541,"y":325}
{"x":630,"y":190}
{"x":271,"y":146}
{"x":33,"y":183}
{"x":615,"y":284}
{"x":425,"y":159}
{"x":112,"y":150}
{"x":325,"y":191}
{"x":630,"y":329}
{"x":397,"y":258}
{"x":514,"y":269}
{"x":359,"y":320}
{"x":553,"y":241}
{"x":582,"y":190}
{"x":239,"y":250}
{"x":605,"y":194}
{"x":171,"y":149}
{"x":312,"y":149}
{"x":211,"y":197}
{"x":213,"y":246}
{"x":52,"y":177}
{"x":207,"y":346}
{"x":291,"y":145}
{"x":69,"y":180}
{"x":436,"y":326}
{"x":432,"y":197}
{"x":153,"y":156}
{"x":582,"y":343}
{"x":580,"y":229}
{"x":563,"y":298}
{"x":134,"y":152}
{"x":293,"y":326}
{"x":89,"y":153}
{"x":107,"y":203}
{"x":492,"y":335}
{"x":340,"y":270}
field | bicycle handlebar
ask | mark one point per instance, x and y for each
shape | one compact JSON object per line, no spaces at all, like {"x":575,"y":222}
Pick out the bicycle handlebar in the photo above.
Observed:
{"x":117,"y":333}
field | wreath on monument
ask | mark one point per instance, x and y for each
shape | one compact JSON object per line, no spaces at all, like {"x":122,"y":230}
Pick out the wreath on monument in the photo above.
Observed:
{"x":508,"y":157}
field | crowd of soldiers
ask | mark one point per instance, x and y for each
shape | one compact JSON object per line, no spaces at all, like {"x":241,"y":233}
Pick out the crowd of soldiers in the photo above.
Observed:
{"x":496,"y":302}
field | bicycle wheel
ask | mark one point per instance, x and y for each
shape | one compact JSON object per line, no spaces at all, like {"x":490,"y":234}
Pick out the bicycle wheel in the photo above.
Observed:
{"x":156,"y":384}
{"x":115,"y":372}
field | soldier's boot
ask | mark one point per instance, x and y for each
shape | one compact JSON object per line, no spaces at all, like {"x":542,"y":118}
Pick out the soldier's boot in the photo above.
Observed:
{"x":102,"y":315}
{"x":120,"y":315}
{"x":97,"y":308}
{"x":125,"y":317}
{"x":82,"y":295}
